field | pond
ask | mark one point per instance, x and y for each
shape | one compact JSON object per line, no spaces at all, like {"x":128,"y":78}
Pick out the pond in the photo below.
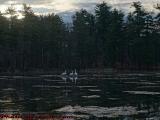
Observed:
{"x":90,"y":96}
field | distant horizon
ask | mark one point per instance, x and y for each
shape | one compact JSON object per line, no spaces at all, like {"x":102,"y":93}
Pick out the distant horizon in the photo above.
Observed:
{"x":66,"y":9}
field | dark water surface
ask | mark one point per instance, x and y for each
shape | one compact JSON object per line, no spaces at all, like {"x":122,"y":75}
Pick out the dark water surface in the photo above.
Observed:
{"x":91,"y":96}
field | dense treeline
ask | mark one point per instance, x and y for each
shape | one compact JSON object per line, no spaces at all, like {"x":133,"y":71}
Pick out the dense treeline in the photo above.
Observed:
{"x":107,"y":38}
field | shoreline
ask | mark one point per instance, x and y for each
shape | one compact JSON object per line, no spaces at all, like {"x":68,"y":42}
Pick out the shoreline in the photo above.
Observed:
{"x":88,"y":70}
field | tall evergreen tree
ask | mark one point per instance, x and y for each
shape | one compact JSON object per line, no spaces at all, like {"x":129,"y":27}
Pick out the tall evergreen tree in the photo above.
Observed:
{"x":103,"y":21}
{"x":83,"y":32}
{"x":135,"y":27}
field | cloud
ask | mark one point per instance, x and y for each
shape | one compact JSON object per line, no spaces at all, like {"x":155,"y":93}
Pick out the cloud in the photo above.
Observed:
{"x":68,"y":7}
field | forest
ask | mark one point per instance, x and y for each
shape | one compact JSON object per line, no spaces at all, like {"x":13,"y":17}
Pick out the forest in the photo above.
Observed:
{"x":107,"y":38}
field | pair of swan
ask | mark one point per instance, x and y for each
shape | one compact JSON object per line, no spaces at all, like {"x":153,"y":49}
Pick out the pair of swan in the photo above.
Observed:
{"x":72,"y":74}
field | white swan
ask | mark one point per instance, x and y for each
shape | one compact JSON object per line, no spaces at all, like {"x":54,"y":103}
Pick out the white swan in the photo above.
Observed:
{"x":64,"y":73}
{"x":64,"y":78}
{"x":71,"y":74}
{"x":75,"y":80}
{"x":75,"y":73}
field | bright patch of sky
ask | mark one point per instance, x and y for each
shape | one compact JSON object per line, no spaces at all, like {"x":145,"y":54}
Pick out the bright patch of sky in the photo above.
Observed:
{"x":66,"y":8}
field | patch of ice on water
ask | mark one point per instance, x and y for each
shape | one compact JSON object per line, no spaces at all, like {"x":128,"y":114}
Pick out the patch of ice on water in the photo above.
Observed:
{"x":148,"y":87}
{"x":113,"y":98}
{"x":91,"y":96}
{"x":130,"y":82}
{"x":87,"y":86}
{"x":140,"y":83}
{"x":157,"y":73}
{"x":48,"y":75}
{"x":153,"y":118}
{"x":96,"y":111}
{"x":25,"y":77}
{"x":94,"y":90}
{"x":62,"y":82}
{"x":9,"y":89}
{"x":142,"y":111}
{"x":3,"y":78}
{"x":50,"y":80}
{"x":79,"y":116}
{"x":143,"y":92}
{"x":135,"y":74}
{"x":110,"y":78}
{"x":16,"y":77}
{"x":157,"y":81}
{"x":46,"y":86}
{"x":143,"y":80}
{"x":67,"y":90}
{"x":127,"y":78}
{"x":148,"y":83}
{"x":158,"y":76}
{"x":67,"y":109}
{"x":36,"y":99}
{"x":5,"y":101}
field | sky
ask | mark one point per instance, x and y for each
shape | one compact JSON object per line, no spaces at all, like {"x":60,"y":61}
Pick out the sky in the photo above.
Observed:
{"x":66,"y":8}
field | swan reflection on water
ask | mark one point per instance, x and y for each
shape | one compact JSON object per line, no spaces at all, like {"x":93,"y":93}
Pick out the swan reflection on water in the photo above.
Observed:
{"x":72,"y":79}
{"x":73,"y":76}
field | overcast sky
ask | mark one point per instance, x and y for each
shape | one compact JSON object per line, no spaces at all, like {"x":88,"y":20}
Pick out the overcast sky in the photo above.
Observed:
{"x":66,"y":8}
